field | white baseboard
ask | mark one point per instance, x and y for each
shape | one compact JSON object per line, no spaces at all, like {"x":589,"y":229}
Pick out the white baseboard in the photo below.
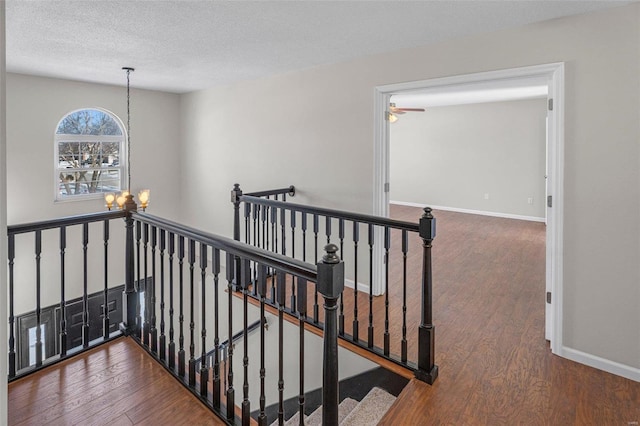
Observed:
{"x":363,"y":288}
{"x":603,"y":364}
{"x":478,"y":212}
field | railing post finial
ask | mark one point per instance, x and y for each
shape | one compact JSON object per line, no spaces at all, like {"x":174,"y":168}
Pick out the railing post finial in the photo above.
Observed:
{"x":330,"y":285}
{"x":427,"y":370}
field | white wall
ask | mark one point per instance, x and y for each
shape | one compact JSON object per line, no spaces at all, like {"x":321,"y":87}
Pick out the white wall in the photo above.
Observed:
{"x":3,"y":219}
{"x":451,"y":156}
{"x":314,"y":129}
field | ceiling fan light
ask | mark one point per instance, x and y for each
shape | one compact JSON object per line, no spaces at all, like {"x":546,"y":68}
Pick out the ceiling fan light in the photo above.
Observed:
{"x":392,"y":117}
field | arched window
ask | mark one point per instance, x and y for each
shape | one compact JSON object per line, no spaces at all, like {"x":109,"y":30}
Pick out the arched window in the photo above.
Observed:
{"x":89,"y":154}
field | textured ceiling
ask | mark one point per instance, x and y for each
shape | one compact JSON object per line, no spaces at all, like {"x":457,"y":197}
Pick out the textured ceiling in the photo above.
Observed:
{"x":181,"y":46}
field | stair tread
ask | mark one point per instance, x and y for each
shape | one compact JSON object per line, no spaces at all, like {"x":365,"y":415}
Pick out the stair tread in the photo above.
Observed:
{"x":371,"y":409}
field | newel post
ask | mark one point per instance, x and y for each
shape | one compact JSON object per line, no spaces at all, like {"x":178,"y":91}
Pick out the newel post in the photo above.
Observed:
{"x":236,"y":193}
{"x":330,"y":285}
{"x":129,"y":324}
{"x":427,"y":370}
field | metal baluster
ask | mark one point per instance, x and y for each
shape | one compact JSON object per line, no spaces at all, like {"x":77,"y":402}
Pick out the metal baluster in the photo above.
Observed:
{"x":293,"y":256}
{"x":356,"y":238}
{"x":281,"y":277}
{"x":405,"y":249}
{"x":244,"y":281}
{"x":105,"y":298}
{"x":262,"y":291}
{"x":304,"y":237}
{"x":371,"y":242}
{"x":231,"y":273}
{"x":85,"y":297}
{"x":181,"y":353}
{"x":256,"y":236}
{"x":63,"y":303}
{"x":11,"y":252}
{"x":153,"y":330}
{"x":204,"y":371}
{"x":163,"y":338}
{"x":138,"y":282}
{"x":147,"y":289}
{"x":341,"y":313}
{"x":172,"y":343}
{"x":283,"y":239}
{"x":316,"y":307}
{"x":274,"y":239}
{"x":327,"y":229}
{"x":38,"y":252}
{"x":302,"y":316}
{"x":192,"y":324}
{"x":387,"y":245}
{"x":215,"y":264}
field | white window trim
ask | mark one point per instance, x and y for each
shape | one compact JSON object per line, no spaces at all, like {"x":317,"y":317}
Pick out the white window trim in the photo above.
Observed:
{"x":82,"y":138}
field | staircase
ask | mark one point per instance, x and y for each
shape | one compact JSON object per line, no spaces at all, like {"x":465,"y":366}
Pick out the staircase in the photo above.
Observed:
{"x":369,"y":411}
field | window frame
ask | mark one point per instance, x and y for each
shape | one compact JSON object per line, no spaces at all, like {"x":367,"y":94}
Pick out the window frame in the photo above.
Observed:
{"x":122,"y":154}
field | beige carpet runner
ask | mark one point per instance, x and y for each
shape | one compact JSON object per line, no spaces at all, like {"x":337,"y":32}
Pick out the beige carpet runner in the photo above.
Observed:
{"x":367,"y":412}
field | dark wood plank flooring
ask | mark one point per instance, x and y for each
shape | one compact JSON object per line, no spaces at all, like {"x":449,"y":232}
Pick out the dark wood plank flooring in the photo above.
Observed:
{"x":495,"y":366}
{"x":114,"y":384}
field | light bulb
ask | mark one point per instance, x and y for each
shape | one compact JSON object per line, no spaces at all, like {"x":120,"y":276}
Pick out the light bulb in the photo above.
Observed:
{"x":109,"y":199}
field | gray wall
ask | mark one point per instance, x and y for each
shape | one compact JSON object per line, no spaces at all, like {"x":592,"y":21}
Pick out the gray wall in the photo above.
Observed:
{"x":314,"y":129}
{"x":35,"y":105}
{"x":451,"y":156}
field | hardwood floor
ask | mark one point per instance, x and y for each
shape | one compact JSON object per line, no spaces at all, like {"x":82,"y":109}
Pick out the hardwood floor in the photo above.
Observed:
{"x":114,"y":384}
{"x":495,"y":365}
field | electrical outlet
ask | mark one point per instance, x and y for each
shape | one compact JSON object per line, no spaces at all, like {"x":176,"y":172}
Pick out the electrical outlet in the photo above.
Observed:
{"x":530,"y":200}
{"x":486,"y":196}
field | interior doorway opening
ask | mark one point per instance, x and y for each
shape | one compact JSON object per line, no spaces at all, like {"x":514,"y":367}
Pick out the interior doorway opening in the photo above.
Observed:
{"x":505,"y":84}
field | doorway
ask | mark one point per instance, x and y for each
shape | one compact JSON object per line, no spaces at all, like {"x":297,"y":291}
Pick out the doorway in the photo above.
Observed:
{"x":552,"y":75}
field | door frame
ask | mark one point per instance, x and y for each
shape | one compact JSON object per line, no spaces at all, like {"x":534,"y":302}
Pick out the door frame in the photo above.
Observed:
{"x":554,"y":73}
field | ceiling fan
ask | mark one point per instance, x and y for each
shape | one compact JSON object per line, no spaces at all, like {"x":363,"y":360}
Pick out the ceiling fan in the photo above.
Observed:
{"x":394,"y":111}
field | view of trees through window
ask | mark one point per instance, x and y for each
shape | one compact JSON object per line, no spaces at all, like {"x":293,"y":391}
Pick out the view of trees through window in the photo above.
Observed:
{"x":89,"y":149}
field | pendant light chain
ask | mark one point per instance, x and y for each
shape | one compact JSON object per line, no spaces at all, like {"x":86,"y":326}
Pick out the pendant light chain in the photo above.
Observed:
{"x":128,"y":130}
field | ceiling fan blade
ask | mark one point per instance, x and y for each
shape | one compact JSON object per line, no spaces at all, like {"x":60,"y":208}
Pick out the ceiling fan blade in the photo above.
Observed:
{"x":409,"y":109}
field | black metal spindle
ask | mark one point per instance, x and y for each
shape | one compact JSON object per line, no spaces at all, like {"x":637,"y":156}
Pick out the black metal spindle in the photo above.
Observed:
{"x":341,"y":307}
{"x":139,"y":285}
{"x":281,"y":277}
{"x":283,"y":238}
{"x":293,"y":256}
{"x":302,"y":315}
{"x":181,"y":353}
{"x":172,"y":343}
{"x":370,"y":329}
{"x":147,"y":288}
{"x":262,"y":292}
{"x":85,"y":293}
{"x":63,"y":304}
{"x":274,"y":237}
{"x":204,"y":371}
{"x":256,"y":235}
{"x":387,"y":245}
{"x":152,"y":329}
{"x":38,"y":252}
{"x":231,"y":393}
{"x":327,"y":229}
{"x":192,"y":324}
{"x":304,"y":236}
{"x":11,"y":252}
{"x":215,"y":265}
{"x":244,"y":281}
{"x":316,"y":307}
{"x":105,"y":295}
{"x":356,"y":238}
{"x":405,"y":250}
{"x":162,"y":346}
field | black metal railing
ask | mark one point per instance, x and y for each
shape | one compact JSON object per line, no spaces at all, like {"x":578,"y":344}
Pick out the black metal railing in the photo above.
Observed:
{"x":211,"y":269}
{"x":385,"y":260}
{"x":62,"y":298}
